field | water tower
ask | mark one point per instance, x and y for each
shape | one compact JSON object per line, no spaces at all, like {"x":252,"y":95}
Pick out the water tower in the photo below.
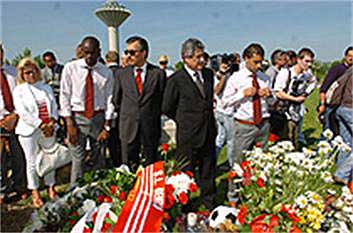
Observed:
{"x":113,"y":15}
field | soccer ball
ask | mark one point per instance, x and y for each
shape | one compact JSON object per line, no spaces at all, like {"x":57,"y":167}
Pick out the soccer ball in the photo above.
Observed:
{"x":220,"y":214}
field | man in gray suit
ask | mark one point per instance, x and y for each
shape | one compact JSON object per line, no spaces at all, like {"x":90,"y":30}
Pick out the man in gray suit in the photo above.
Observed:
{"x":138,"y":93}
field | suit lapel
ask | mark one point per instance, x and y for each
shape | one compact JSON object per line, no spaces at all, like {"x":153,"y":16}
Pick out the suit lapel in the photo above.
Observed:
{"x":194,"y":84}
{"x":131,"y":82}
{"x":147,"y":81}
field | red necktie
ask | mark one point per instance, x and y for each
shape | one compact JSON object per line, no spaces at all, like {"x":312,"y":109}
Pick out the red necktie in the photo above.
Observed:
{"x":6,"y":93}
{"x":138,"y":80}
{"x":89,"y":96}
{"x":256,"y":101}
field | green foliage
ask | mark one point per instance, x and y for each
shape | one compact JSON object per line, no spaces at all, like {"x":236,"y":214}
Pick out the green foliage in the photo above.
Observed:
{"x":26,"y":53}
{"x":179,"y":65}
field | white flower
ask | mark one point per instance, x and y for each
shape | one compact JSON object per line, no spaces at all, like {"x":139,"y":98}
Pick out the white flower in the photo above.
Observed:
{"x":301,"y":201}
{"x":327,"y":177}
{"x":345,"y":148}
{"x":236,"y":167}
{"x":328,"y":134}
{"x":337,"y":141}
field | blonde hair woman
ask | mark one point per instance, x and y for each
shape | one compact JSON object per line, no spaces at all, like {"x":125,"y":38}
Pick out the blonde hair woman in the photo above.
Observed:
{"x":35,"y":104}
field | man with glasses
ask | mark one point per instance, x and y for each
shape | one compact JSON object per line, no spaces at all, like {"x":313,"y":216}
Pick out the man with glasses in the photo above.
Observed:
{"x":188,"y":100}
{"x":294,"y":85}
{"x":163,"y":64}
{"x":138,"y":93}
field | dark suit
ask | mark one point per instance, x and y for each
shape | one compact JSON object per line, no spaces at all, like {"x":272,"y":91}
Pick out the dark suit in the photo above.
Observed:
{"x":196,"y":127}
{"x":139,"y":115}
{"x":114,"y":143}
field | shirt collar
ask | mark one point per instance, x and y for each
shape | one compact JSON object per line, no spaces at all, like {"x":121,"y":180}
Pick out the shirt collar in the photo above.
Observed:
{"x":144,"y":67}
{"x":82,"y":63}
{"x":192,"y":72}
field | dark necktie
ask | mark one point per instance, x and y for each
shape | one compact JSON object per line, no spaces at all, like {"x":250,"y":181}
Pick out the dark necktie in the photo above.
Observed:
{"x":6,"y":92}
{"x":89,"y":95}
{"x":256,"y":102}
{"x":138,"y":80}
{"x":199,"y":84}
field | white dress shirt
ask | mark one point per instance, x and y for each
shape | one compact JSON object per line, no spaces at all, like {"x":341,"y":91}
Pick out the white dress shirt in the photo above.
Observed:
{"x":234,"y":94}
{"x":72,"y":88}
{"x":192,"y":74}
{"x":11,"y":79}
{"x":143,"y":73}
{"x":220,"y":106}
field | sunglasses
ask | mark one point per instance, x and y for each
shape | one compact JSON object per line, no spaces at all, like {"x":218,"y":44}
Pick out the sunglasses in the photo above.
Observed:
{"x":131,"y":52}
{"x":29,"y":72}
{"x":163,"y":62}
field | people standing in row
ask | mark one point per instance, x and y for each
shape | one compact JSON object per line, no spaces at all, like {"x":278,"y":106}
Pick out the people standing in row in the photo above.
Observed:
{"x":163,"y":64}
{"x":85,"y":101}
{"x":188,"y":100}
{"x":11,"y":153}
{"x":36,"y":106}
{"x":138,"y":95}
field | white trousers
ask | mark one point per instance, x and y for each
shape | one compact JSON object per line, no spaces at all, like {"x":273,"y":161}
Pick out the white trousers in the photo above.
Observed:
{"x":31,"y":146}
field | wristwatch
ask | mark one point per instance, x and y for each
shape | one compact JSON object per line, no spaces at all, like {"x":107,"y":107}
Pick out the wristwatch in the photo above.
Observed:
{"x":107,"y":128}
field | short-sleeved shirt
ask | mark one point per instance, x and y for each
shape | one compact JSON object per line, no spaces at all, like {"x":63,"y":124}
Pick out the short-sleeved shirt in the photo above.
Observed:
{"x":332,"y":75}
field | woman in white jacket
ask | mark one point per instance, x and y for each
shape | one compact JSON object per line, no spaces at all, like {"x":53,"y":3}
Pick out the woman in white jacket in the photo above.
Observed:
{"x":35,"y":104}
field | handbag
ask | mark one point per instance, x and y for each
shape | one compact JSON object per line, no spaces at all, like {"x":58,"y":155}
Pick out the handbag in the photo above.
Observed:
{"x":51,"y":159}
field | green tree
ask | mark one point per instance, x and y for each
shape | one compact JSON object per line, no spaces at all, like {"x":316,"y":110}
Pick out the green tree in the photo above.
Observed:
{"x":26,"y":53}
{"x":179,"y":65}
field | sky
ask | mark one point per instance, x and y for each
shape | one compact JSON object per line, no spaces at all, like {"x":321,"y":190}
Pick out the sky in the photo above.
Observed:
{"x":223,"y":26}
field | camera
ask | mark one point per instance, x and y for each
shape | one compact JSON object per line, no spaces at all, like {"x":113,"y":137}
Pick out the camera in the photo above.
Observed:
{"x":229,"y":59}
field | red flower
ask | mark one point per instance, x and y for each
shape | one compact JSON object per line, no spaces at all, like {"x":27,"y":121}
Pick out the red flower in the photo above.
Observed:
{"x":183,"y":198}
{"x":247,"y":178}
{"x":258,"y":225}
{"x":106,"y":227}
{"x":100,"y":198}
{"x":176,"y":173}
{"x":232,"y":175}
{"x":295,"y":229}
{"x":122,"y":196}
{"x":273,"y":137}
{"x":165,"y":148}
{"x":72,"y":222}
{"x":75,"y":214}
{"x":242,"y":214}
{"x":107,"y":199}
{"x":113,"y":189}
{"x":260,"y":182}
{"x":274,"y":221}
{"x":106,"y":215}
{"x":190,"y":174}
{"x":87,"y":230}
{"x":258,"y":144}
{"x":291,"y":213}
{"x":169,"y":188}
{"x":170,"y":201}
{"x":245,"y":165}
{"x":166,"y":216}
{"x":193,"y":187}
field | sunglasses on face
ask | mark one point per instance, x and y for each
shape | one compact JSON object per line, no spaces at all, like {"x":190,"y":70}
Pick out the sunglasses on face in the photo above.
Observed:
{"x":28,"y":72}
{"x":131,"y":52}
{"x":163,"y":62}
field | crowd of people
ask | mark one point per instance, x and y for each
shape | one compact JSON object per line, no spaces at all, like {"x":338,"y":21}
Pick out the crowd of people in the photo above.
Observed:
{"x":94,"y":105}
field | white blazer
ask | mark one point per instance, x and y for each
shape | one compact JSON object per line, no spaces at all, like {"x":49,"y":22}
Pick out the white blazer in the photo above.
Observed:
{"x":27,"y":109}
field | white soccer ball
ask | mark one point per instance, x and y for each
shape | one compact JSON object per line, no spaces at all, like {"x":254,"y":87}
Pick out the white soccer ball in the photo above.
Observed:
{"x":220,"y":214}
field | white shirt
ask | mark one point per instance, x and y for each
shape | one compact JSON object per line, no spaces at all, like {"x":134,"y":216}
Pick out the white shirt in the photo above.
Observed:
{"x":234,"y":94}
{"x":192,"y":74}
{"x":220,"y":106}
{"x":143,"y":73}
{"x":72,"y":88}
{"x":11,"y":79}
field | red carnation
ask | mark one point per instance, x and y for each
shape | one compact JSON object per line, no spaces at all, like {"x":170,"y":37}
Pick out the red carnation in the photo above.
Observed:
{"x":107,"y":199}
{"x":169,"y":188}
{"x":75,"y":214}
{"x":87,"y":230}
{"x":106,"y":227}
{"x":170,"y":201}
{"x":122,"y":196}
{"x":232,"y":175}
{"x":245,"y":165}
{"x":113,"y":189}
{"x":247,"y":178}
{"x":260,"y":182}
{"x":94,"y":216}
{"x":190,"y":174}
{"x":274,"y":221}
{"x":183,"y":198}
{"x":165,"y":148}
{"x":295,"y":229}
{"x":176,"y":173}
{"x":258,"y":224}
{"x":72,"y":222}
{"x":100,"y":198}
{"x":242,"y":214}
{"x":193,"y":187}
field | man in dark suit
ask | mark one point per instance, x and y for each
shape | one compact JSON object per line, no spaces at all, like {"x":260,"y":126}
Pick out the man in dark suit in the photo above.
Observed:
{"x":138,"y":93}
{"x":188,"y":100}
